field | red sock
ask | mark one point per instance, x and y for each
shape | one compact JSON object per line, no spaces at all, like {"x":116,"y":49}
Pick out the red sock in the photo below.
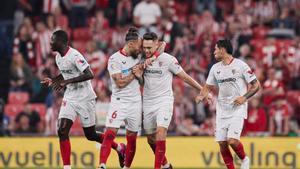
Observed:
{"x":130,"y":149}
{"x":114,"y":145}
{"x":153,"y":147}
{"x":159,"y":153}
{"x":239,"y":150}
{"x":227,"y":157}
{"x":65,"y":151}
{"x":109,"y":137}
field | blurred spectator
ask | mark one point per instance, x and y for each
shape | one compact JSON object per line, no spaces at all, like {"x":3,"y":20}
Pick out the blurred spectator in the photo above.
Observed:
{"x":28,"y":121}
{"x":187,"y":127}
{"x":124,"y":12}
{"x":4,"y":120}
{"x":207,"y":128}
{"x":24,"y":44}
{"x":98,"y":23}
{"x":78,"y":10}
{"x":202,"y":5}
{"x":96,"y":58}
{"x":39,"y":93}
{"x":256,"y":123}
{"x":52,"y":116}
{"x":279,"y":118}
{"x":272,"y":87}
{"x":20,"y":73}
{"x":146,"y":15}
{"x":49,"y":6}
{"x":61,"y":20}
{"x":42,"y":43}
{"x":51,"y":23}
{"x":285,"y":20}
{"x":265,"y":11}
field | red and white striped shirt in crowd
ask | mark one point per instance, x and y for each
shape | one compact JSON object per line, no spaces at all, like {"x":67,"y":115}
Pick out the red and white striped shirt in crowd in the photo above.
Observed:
{"x":43,"y":46}
{"x":50,"y":5}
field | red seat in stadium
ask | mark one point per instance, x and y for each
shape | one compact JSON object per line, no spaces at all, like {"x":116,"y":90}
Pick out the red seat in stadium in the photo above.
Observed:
{"x":18,"y":97}
{"x":82,"y":34}
{"x":12,"y":110}
{"x":293,"y":97}
{"x":80,"y":46}
{"x":40,"y":108}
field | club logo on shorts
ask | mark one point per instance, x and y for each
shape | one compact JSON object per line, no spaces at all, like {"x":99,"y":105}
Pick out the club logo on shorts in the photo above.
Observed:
{"x":124,"y":62}
{"x":218,"y":72}
{"x":165,"y":118}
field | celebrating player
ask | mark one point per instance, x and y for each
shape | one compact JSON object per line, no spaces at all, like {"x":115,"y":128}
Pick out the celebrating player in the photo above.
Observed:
{"x":231,"y":76}
{"x":158,"y":97}
{"x":79,"y":97}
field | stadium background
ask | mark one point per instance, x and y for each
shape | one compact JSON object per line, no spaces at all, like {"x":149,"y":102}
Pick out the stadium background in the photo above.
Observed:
{"x":264,"y":33}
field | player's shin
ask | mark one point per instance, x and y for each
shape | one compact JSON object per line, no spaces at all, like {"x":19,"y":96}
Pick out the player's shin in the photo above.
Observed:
{"x":159,"y":153}
{"x":227,"y":156}
{"x":109,"y":137}
{"x":130,"y":149}
{"x":239,"y":149}
{"x":65,"y":151}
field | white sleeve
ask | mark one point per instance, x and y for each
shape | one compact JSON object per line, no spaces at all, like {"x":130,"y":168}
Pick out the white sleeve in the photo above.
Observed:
{"x":113,"y":67}
{"x":174,"y":66}
{"x":247,"y":73}
{"x":80,"y":62}
{"x":211,"y":79}
{"x":137,"y":10}
{"x":157,"y":11}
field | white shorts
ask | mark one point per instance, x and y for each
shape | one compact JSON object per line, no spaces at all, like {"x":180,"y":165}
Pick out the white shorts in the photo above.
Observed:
{"x":128,"y":112}
{"x":157,"y":115}
{"x":85,"y":109}
{"x":229,"y":128}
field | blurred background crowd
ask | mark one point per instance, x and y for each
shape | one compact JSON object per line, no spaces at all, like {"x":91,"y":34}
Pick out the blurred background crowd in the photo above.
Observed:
{"x":264,"y":33}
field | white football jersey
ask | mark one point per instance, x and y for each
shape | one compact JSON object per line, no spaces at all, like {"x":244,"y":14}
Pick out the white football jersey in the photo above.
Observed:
{"x":158,"y":78}
{"x":72,"y":65}
{"x":232,"y":82}
{"x":120,"y":63}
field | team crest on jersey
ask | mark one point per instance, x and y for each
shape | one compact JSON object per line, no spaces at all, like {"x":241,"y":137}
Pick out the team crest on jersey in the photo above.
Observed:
{"x":81,"y":61}
{"x":233,"y":71}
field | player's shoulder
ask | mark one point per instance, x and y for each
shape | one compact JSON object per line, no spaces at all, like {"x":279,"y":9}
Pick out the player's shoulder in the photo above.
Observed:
{"x":73,"y":52}
{"x":114,"y":57}
{"x":167,"y":57}
{"x":240,"y":63}
{"x":216,"y":65}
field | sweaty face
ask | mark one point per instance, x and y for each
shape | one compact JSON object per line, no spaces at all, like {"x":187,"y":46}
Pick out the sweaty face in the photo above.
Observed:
{"x":149,"y":47}
{"x":135,"y":48}
{"x":218,"y":53}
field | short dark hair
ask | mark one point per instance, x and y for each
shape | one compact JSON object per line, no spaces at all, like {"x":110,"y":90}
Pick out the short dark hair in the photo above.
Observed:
{"x":226,"y":44}
{"x":132,"y":34}
{"x":150,"y":36}
{"x":62,"y":36}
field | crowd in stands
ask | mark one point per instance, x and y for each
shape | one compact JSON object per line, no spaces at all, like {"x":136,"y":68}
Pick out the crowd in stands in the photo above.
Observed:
{"x":265,"y":34}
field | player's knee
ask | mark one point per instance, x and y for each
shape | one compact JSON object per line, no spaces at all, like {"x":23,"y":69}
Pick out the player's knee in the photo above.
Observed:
{"x":223,"y":144}
{"x":161,"y":134}
{"x":62,"y":133}
{"x":91,"y":137}
{"x":233,"y":142}
{"x":151,"y":140}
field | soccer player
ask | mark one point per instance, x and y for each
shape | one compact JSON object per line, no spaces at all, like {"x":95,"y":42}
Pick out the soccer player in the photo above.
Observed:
{"x":232,"y":77}
{"x":79,"y":97}
{"x":158,"y":97}
{"x":126,"y":101}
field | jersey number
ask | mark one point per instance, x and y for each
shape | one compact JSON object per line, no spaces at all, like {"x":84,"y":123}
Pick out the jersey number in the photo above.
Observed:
{"x":114,"y":115}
